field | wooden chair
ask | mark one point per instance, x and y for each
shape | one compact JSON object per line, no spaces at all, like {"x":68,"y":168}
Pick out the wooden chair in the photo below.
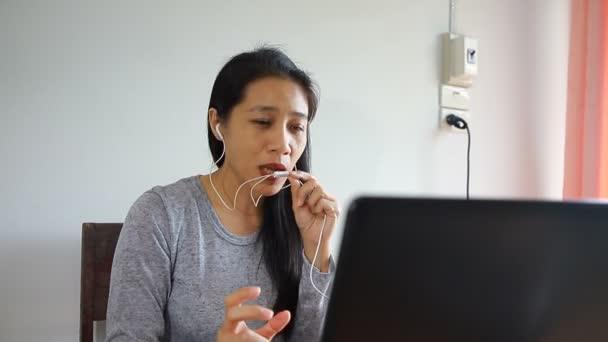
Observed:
{"x":98,"y":245}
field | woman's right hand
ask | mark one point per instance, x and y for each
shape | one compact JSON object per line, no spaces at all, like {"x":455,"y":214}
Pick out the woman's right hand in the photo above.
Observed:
{"x":234,"y":328}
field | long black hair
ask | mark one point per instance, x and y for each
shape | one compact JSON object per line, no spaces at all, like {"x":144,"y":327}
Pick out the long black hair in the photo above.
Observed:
{"x":279,"y":234}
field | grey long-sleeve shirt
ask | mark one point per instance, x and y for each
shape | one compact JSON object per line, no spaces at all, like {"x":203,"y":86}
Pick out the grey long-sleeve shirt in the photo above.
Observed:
{"x":174,"y":264}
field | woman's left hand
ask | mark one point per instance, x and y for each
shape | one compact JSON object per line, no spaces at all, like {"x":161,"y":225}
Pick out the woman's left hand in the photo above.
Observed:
{"x":311,"y":206}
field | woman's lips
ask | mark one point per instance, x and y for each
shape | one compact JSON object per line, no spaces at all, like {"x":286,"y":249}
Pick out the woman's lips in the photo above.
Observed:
{"x":269,"y":169}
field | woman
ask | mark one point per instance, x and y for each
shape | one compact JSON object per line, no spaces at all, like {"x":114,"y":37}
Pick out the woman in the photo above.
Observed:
{"x":198,"y":260}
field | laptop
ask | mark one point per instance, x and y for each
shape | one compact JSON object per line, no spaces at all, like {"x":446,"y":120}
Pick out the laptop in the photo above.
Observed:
{"x":434,"y":270}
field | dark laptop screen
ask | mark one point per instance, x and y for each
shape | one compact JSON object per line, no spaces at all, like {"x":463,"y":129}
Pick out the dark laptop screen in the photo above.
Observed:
{"x":449,"y":270}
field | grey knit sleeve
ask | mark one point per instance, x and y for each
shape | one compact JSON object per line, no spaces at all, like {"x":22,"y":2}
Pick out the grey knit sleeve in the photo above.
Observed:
{"x":312,"y":306}
{"x":141,"y":274}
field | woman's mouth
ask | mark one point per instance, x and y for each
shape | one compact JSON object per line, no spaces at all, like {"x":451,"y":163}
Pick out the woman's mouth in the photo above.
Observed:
{"x":269,"y":169}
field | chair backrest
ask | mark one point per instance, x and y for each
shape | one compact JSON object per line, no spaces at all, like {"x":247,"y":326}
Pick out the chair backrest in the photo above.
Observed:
{"x":98,"y":245}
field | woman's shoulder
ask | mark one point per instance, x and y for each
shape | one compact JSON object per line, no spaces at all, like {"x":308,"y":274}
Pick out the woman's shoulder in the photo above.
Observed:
{"x":171,"y":197}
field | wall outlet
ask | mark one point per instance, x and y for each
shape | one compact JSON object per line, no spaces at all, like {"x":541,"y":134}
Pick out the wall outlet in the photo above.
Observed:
{"x":443,"y":114}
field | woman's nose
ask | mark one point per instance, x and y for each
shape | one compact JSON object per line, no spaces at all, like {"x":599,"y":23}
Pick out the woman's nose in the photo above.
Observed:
{"x":281,"y":141}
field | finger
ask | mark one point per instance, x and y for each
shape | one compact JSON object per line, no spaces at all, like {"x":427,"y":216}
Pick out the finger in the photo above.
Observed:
{"x":325,"y":207}
{"x":252,"y":336}
{"x":248,"y":313}
{"x":295,"y":189}
{"x":241,"y":295}
{"x":275,"y":325}
{"x":334,"y":208}
{"x":302,"y":178}
{"x":329,"y":197}
{"x":301,"y":175}
{"x":314,"y":198}
{"x":337,"y":210}
{"x":306,"y":190}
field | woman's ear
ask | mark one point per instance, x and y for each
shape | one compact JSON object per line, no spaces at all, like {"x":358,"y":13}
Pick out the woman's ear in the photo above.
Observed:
{"x":218,"y":133}
{"x":214,"y":122}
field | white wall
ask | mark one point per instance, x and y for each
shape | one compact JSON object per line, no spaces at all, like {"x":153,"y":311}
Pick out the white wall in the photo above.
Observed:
{"x":100,"y":101}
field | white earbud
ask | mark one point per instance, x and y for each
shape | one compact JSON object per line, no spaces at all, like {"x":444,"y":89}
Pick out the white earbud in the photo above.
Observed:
{"x":217,"y":129}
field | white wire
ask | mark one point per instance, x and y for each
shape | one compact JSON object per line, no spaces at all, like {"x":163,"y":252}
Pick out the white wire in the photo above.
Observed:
{"x":256,"y":202}
{"x":211,"y":179}
{"x":314,"y":259}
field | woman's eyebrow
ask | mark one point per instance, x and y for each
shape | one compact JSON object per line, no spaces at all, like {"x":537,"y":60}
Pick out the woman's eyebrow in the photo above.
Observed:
{"x":263,"y":108}
{"x":267,"y":109}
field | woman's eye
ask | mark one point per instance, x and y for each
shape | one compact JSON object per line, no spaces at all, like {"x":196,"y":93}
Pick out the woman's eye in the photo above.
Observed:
{"x":299,"y":128}
{"x":262,"y":122}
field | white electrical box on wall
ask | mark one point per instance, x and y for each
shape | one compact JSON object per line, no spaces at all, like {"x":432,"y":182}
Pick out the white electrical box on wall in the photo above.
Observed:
{"x":454,"y":97}
{"x":460,"y":60}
